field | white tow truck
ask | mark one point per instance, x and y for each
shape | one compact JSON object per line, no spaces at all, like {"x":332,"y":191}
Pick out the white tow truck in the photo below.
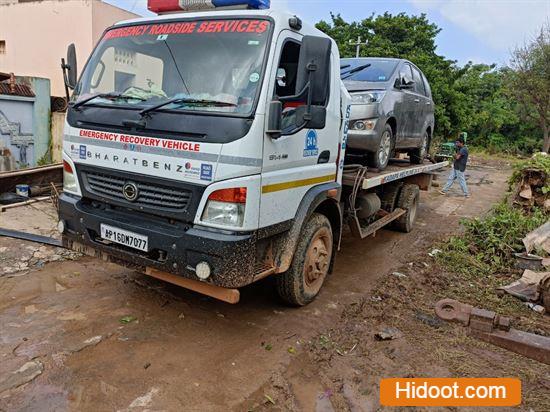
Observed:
{"x":206,"y":146}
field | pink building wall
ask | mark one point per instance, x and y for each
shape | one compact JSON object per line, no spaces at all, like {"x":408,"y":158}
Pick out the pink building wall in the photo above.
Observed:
{"x":36,"y":34}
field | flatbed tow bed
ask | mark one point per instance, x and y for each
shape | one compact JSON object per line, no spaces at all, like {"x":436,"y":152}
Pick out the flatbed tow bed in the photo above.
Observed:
{"x":399,"y":170}
{"x":359,"y":178}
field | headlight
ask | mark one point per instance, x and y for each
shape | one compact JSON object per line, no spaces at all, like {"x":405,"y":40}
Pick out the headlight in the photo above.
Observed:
{"x":363,"y":124}
{"x":226,"y":207}
{"x":69,"y":178}
{"x":367,"y":97}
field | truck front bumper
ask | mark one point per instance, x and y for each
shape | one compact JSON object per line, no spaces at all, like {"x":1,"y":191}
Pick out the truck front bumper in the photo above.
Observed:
{"x":173,"y":247}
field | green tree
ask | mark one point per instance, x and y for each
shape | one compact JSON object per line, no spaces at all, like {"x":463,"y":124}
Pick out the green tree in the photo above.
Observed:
{"x":412,"y":38}
{"x":486,"y":110}
{"x":529,"y":81}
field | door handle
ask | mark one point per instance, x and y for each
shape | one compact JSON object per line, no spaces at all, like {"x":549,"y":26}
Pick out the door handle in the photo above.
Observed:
{"x":417,"y":100}
{"x":428,"y":103}
{"x":324,"y":157}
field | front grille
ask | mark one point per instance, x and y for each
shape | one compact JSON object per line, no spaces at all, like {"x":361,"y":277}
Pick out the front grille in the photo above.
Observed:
{"x":109,"y":186}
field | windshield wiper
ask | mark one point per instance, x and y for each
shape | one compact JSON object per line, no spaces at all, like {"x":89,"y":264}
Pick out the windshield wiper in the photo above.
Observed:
{"x":105,"y":96}
{"x":355,"y":70}
{"x":184,"y":100}
{"x":345,"y":66}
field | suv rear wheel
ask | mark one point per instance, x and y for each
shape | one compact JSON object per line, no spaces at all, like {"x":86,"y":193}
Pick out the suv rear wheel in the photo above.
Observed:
{"x":381,"y":157}
{"x":419,"y":154}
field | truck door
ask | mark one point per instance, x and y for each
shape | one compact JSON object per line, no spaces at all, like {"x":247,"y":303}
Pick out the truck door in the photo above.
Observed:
{"x":298,"y":160}
{"x":405,"y":110}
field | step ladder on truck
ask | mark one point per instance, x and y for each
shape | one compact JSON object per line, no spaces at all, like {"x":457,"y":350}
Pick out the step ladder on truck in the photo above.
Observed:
{"x":206,"y":146}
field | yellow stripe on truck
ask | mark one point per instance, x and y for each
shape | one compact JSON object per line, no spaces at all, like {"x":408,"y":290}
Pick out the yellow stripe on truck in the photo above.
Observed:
{"x":276,"y":187}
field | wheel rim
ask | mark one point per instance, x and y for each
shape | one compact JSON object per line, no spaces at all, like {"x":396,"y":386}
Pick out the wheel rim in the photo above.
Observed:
{"x":424,"y":148}
{"x":385,"y":148}
{"x":317,"y":261}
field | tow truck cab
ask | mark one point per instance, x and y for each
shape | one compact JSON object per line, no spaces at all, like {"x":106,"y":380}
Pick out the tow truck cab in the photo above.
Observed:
{"x":199,"y":144}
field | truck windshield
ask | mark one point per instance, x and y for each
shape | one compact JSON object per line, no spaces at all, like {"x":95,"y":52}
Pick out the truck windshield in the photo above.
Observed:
{"x":372,"y":70}
{"x":204,"y":65}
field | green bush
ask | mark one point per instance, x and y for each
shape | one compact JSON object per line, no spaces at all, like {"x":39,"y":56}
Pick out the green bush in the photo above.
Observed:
{"x":495,"y":238}
{"x":488,"y":244}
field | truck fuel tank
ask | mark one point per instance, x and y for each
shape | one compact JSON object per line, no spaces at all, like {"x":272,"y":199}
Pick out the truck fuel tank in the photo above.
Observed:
{"x":367,"y":204}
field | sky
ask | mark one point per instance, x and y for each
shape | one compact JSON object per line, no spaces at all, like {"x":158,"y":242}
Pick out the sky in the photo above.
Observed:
{"x":482,"y":31}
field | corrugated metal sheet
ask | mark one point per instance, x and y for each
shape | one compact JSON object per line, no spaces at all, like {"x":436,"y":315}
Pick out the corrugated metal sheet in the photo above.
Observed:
{"x":9,"y":86}
{"x":20,"y":90}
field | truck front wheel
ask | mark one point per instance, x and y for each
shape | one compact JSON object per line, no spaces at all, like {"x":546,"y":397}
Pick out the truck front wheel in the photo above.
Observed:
{"x":408,"y":199}
{"x":310,"y":265}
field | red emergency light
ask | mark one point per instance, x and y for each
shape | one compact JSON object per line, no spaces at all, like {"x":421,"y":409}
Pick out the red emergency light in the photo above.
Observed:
{"x":170,"y":6}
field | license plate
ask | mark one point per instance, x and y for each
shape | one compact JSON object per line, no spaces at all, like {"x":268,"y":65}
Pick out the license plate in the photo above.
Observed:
{"x":125,"y":237}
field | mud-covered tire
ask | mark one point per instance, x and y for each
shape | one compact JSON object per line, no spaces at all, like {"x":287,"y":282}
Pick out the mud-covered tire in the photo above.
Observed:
{"x":419,"y":154}
{"x":408,"y":199}
{"x":310,"y":265}
{"x":389,"y":196}
{"x":380,"y":159}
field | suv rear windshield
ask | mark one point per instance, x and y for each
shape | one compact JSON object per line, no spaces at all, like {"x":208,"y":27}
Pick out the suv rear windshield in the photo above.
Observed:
{"x":377,"y":71}
{"x":211,"y":65}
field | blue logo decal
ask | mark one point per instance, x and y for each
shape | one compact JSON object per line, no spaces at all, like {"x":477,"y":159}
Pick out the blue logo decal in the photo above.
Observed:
{"x":82,"y":152}
{"x":206,"y":172}
{"x":311,"y":149}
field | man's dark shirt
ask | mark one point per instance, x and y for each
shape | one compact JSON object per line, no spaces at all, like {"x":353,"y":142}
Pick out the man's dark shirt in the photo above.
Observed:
{"x":460,"y":164}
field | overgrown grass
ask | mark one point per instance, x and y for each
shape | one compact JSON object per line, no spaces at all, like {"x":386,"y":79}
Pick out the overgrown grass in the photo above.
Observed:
{"x":481,"y":259}
{"x":485,"y":154}
{"x":487,"y":245}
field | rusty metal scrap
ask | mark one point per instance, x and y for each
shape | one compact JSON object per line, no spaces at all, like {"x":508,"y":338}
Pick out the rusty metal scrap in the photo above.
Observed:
{"x":31,"y":237}
{"x":35,"y":176}
{"x":10,"y":86}
{"x":495,"y":329}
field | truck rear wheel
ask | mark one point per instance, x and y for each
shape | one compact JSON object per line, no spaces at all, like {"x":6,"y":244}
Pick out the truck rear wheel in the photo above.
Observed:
{"x":389,"y":196}
{"x":408,"y":199}
{"x":310,"y":265}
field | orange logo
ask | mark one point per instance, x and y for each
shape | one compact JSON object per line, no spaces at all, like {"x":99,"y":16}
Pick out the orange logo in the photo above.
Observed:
{"x":450,"y":392}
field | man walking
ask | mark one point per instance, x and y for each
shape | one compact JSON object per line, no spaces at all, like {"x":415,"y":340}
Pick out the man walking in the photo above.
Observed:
{"x":459,"y":167}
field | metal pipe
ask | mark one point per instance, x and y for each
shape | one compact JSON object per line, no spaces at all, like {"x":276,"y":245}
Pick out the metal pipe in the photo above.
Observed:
{"x":31,"y":237}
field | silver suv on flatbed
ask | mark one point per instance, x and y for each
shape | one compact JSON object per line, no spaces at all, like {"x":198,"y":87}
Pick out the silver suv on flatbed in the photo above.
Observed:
{"x":392,"y":109}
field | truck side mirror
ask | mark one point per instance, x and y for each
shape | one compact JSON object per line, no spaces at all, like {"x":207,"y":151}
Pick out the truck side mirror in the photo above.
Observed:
{"x":70,"y":68}
{"x":275,"y":119}
{"x":314,"y":69}
{"x":316,"y":118}
{"x":313,"y":81}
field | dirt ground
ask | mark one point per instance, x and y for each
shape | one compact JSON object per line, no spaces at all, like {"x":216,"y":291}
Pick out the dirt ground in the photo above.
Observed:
{"x":80,"y":334}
